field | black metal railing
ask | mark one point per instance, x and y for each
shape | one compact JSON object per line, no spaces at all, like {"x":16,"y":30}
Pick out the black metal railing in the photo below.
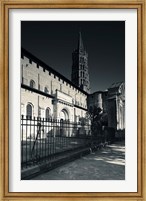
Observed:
{"x":45,"y":139}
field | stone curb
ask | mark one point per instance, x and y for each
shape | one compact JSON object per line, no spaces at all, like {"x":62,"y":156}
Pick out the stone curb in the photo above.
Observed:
{"x":31,"y":172}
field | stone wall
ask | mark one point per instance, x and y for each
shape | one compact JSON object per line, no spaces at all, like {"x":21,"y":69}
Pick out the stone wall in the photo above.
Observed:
{"x":59,"y":96}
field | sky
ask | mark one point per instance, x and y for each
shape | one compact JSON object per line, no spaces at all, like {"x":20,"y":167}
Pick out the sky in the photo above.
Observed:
{"x":54,"y":41}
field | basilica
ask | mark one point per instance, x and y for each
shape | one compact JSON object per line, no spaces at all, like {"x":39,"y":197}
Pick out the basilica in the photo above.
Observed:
{"x":47,"y":93}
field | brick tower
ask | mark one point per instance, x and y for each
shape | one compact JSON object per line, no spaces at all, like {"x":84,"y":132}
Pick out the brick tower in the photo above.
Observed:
{"x":80,"y":74}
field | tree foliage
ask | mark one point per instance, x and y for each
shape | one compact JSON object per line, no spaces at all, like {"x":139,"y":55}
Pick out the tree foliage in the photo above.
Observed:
{"x":97,"y":118}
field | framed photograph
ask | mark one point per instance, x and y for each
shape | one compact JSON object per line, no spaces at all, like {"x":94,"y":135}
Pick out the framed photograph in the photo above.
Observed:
{"x":72,"y":107}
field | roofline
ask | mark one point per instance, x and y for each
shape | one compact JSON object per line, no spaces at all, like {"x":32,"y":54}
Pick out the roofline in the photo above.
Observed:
{"x":24,"y":52}
{"x":120,"y":83}
{"x":99,"y":92}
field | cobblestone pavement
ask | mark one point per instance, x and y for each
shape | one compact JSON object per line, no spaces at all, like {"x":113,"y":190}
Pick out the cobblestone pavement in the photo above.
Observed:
{"x":105,"y":164}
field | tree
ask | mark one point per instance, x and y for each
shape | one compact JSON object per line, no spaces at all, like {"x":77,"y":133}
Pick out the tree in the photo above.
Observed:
{"x":98,"y":118}
{"x":104,"y":119}
{"x":94,"y":115}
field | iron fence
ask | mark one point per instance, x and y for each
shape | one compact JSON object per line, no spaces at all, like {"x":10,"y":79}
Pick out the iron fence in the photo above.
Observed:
{"x":46,"y":139}
{"x":43,"y":139}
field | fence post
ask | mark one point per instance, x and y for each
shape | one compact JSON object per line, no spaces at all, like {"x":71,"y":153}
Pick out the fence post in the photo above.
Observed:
{"x":38,"y":133}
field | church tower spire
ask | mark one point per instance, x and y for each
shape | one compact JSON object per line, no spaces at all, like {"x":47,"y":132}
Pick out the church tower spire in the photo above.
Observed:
{"x":80,"y":43}
{"x":80,"y":74}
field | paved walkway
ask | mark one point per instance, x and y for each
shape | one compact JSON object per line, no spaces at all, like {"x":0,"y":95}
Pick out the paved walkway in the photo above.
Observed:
{"x":105,"y":164}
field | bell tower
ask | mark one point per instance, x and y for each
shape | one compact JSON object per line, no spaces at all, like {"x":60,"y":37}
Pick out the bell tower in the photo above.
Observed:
{"x":80,"y":74}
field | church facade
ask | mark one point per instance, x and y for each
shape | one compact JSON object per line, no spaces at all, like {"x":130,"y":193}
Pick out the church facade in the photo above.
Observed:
{"x":112,"y":103}
{"x":116,"y":106}
{"x":46,"y":93}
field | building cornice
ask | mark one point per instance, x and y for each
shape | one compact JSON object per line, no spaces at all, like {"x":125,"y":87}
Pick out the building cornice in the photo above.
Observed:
{"x":36,"y":91}
{"x":80,"y":107}
{"x":50,"y":69}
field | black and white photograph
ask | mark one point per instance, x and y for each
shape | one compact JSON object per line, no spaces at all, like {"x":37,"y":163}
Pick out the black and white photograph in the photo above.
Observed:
{"x":72,"y":100}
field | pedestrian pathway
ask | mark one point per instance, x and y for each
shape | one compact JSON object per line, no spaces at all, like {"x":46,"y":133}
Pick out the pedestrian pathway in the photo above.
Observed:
{"x":105,"y":164}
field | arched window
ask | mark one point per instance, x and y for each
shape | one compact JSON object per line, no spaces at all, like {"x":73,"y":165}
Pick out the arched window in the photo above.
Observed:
{"x":48,"y":113}
{"x":64,"y":114}
{"x":29,"y":110}
{"x":32,"y":83}
{"x":46,"y":90}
